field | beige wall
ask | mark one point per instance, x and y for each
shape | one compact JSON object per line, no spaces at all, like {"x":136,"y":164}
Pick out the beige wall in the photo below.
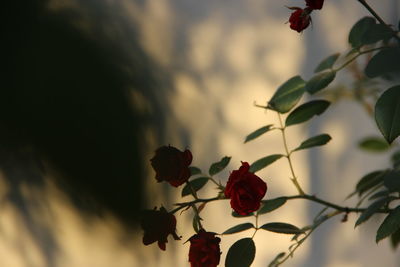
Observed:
{"x":221,"y":57}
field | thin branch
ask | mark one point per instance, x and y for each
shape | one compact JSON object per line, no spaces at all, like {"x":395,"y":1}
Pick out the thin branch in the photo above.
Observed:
{"x":190,"y":203}
{"x":332,"y":205}
{"x":325,"y":218}
{"x":294,"y":178}
{"x":357,"y":55}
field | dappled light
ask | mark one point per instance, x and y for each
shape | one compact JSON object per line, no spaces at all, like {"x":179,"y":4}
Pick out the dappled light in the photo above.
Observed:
{"x":94,"y":88}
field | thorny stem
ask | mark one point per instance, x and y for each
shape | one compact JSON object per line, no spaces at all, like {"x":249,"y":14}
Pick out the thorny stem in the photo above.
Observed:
{"x":369,"y":8}
{"x":194,"y":207}
{"x":332,"y":205}
{"x":216,"y":183}
{"x":321,"y":220}
{"x":304,"y":196}
{"x":190,"y":203}
{"x":294,"y":178}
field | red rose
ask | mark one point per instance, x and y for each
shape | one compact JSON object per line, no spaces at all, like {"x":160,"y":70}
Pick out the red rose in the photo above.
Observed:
{"x":245,"y":189}
{"x":315,"y":4}
{"x":172,"y":165}
{"x":157,"y":225}
{"x":300,"y":19}
{"x":204,"y":249}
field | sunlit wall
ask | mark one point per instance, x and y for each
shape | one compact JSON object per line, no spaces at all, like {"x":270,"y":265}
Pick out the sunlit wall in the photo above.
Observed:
{"x":219,"y":58}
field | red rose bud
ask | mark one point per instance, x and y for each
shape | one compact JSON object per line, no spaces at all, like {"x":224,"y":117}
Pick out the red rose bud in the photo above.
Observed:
{"x":300,"y":19}
{"x":315,"y":4}
{"x":172,"y":165}
{"x":157,"y":225}
{"x":245,"y":189}
{"x":204,"y":250}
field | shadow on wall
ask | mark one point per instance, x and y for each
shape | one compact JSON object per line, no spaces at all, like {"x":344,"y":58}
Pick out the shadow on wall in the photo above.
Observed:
{"x":65,"y":98}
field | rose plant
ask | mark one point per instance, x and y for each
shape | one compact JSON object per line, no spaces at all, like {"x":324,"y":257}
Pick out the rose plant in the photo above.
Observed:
{"x":204,"y":249}
{"x":378,"y":192}
{"x":300,"y":19}
{"x":172,"y":165}
{"x":245,"y":189}
{"x":157,"y":225}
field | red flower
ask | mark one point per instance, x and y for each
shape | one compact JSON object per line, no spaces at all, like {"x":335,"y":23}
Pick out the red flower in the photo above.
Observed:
{"x":300,"y":18}
{"x":204,"y":250}
{"x":172,"y":165}
{"x":315,"y":4}
{"x":245,"y":190}
{"x":157,"y":225}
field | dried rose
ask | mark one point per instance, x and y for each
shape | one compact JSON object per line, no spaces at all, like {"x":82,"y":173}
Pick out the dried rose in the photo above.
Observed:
{"x":204,"y":249}
{"x":172,"y":165}
{"x":157,"y":225}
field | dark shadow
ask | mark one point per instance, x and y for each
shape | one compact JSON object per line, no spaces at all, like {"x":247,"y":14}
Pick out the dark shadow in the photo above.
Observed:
{"x":65,"y":97}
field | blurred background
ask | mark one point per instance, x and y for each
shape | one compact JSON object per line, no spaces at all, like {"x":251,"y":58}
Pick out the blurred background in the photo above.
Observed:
{"x":91,"y":88}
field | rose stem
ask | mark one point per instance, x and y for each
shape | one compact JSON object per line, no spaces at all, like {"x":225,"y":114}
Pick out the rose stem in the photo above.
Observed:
{"x":293,"y":179}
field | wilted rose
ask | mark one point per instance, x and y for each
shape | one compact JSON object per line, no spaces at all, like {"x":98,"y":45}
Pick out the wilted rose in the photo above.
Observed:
{"x":204,"y":249}
{"x":300,"y":19}
{"x":172,"y":165}
{"x":315,"y":4}
{"x":245,"y":189}
{"x":157,"y":225}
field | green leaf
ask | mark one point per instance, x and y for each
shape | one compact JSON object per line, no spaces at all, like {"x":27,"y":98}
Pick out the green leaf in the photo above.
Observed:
{"x":359,"y":29}
{"x":392,"y":181}
{"x":281,"y":228}
{"x":237,"y":215}
{"x":383,"y":193}
{"x":258,"y":132}
{"x":320,"y":81}
{"x":371,"y":210}
{"x":327,"y":63}
{"x":374,"y":144}
{"x":241,"y":253}
{"x":369,"y":181}
{"x":306,"y":111}
{"x":377,"y":32}
{"x":395,"y":158}
{"x":264,"y":162}
{"x":196,"y":184}
{"x":303,"y":230}
{"x":318,"y":140}
{"x":219,"y":166}
{"x":395,"y":239}
{"x":195,"y":224}
{"x":238,"y":228}
{"x":194,"y":170}
{"x":287,"y":95}
{"x":271,"y":204}
{"x":387,"y":113}
{"x":390,"y":225}
{"x":384,"y":62}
